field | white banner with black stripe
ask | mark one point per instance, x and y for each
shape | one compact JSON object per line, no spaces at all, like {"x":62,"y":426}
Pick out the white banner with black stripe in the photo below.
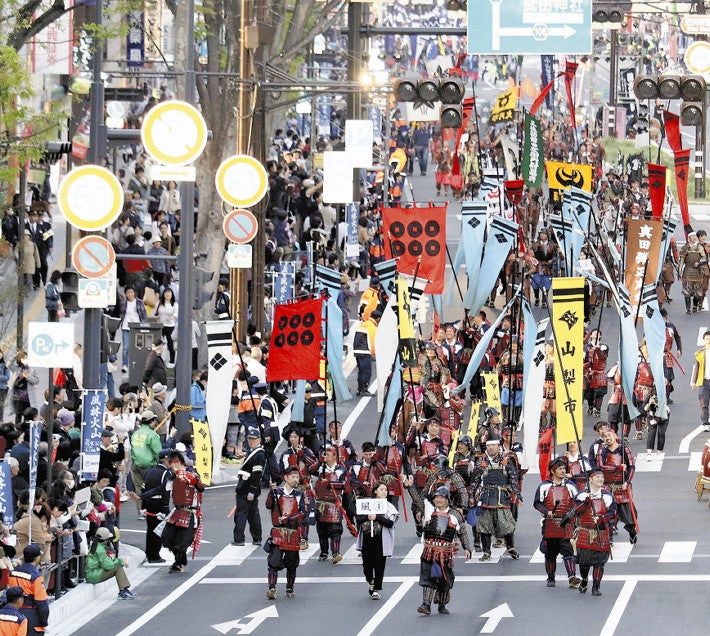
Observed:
{"x":219,"y":383}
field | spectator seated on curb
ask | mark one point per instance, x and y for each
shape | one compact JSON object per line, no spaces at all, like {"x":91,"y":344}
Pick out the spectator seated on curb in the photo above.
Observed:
{"x":100,"y":566}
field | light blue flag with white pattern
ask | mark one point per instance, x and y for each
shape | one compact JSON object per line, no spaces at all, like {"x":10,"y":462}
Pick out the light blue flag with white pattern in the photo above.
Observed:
{"x":629,"y":356}
{"x":394,"y":392}
{"x":501,"y":238}
{"x":654,"y":328}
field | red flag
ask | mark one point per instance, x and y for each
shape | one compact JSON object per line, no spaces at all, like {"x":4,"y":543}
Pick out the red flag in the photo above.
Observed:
{"x":570,"y":71}
{"x":672,"y":125}
{"x":657,"y":189}
{"x":682,"y":166}
{"x":416,"y":237}
{"x":294,"y":351}
{"x":467,"y":105}
{"x":514,"y":190}
{"x":544,"y":448}
{"x":541,"y":97}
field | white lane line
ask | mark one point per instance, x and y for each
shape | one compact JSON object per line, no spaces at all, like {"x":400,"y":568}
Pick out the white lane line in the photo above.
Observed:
{"x":372,"y":625}
{"x":677,"y":552}
{"x":685,"y":442}
{"x":359,"y":408}
{"x":618,"y":610}
{"x":230,"y":555}
{"x":352,"y":556}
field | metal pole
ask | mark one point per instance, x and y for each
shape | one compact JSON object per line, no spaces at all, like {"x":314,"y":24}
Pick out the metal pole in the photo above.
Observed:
{"x":50,"y":428}
{"x":183,"y":375}
{"x":97,"y":143}
{"x":21,"y":291}
{"x":237,"y":277}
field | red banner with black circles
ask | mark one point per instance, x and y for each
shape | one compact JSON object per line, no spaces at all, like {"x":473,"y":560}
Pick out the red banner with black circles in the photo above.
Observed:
{"x":416,"y":238}
{"x":295,"y":347}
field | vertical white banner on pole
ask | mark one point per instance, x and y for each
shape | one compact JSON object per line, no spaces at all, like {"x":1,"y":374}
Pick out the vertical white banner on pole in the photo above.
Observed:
{"x":337,"y":177}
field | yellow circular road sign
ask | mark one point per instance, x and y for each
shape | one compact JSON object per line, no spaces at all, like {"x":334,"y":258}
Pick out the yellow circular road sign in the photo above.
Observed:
{"x":241,"y":181}
{"x":697,"y":57}
{"x":90,"y":198}
{"x":174,"y":133}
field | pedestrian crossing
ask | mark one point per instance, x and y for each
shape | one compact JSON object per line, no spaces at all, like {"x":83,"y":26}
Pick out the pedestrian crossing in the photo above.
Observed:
{"x":622,"y":552}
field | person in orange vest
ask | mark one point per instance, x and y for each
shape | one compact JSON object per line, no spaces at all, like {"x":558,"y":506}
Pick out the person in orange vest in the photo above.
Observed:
{"x":27,"y":576}
{"x":364,"y":351}
{"x":371,"y":299}
{"x":12,"y":621}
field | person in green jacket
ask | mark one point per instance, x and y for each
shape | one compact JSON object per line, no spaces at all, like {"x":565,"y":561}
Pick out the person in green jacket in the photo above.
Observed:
{"x":145,"y":448}
{"x":101,"y":567}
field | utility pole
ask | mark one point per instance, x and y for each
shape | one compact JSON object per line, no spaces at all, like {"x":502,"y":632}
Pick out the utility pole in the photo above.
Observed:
{"x":259,"y":136}
{"x":237,"y":276}
{"x":97,"y":145}
{"x":186,"y":266}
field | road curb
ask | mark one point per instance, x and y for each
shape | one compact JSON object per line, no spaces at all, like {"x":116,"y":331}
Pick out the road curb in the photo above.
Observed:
{"x":86,"y":601}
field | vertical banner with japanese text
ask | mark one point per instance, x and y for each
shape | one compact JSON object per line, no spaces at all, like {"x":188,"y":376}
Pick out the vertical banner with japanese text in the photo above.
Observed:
{"x":203,"y":450}
{"x":352,"y":217}
{"x":643,"y":245}
{"x":405,"y":326}
{"x":7,"y":505}
{"x":533,"y":148}
{"x":568,"y":328}
{"x":92,"y":422}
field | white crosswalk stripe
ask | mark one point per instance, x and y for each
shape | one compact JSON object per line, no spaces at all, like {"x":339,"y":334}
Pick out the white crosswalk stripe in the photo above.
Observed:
{"x":695,"y":461}
{"x":352,"y":556}
{"x":413,"y":555}
{"x":620,"y":550}
{"x":677,"y":552}
{"x":646,"y":465}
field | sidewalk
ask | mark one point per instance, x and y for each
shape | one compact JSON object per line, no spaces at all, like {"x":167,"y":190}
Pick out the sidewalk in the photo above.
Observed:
{"x":85,"y":602}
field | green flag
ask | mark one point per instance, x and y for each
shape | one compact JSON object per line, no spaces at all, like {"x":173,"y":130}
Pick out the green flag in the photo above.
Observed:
{"x":532,"y":151}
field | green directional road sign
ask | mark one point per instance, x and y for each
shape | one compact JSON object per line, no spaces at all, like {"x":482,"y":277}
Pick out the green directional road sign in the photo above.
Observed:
{"x":520,"y":27}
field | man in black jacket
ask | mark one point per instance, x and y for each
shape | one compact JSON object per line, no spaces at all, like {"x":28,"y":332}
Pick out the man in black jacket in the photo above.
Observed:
{"x":156,"y":501}
{"x":249,"y":489}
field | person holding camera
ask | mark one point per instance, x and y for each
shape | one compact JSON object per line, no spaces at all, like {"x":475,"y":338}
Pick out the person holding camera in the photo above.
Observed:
{"x":657,"y":424}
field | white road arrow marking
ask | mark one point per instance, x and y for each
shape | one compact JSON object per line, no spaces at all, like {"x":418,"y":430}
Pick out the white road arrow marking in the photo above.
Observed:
{"x":495,"y":616}
{"x":257,"y":618}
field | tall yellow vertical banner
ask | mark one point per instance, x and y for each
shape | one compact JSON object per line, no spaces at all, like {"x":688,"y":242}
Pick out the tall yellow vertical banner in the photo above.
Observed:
{"x":203,"y":450}
{"x":568,"y":327}
{"x":491,"y":389}
{"x":407,"y":342}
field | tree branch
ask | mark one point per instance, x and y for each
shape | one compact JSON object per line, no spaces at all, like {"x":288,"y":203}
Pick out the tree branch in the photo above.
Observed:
{"x":27,"y":27}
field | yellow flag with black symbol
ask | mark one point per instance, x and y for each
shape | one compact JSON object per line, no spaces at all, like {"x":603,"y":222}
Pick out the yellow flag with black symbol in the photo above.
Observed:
{"x":562,"y":176}
{"x":568,"y":328}
{"x":203,"y":450}
{"x":491,"y":388}
{"x":405,"y":326}
{"x":504,"y":107}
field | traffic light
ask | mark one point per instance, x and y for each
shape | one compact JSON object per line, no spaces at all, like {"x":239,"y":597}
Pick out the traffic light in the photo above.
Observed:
{"x":613,"y":11}
{"x":54,"y":150}
{"x":70,"y":290}
{"x":689,"y":88}
{"x":449,"y":91}
{"x":201,"y":295}
{"x":452,"y":91}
